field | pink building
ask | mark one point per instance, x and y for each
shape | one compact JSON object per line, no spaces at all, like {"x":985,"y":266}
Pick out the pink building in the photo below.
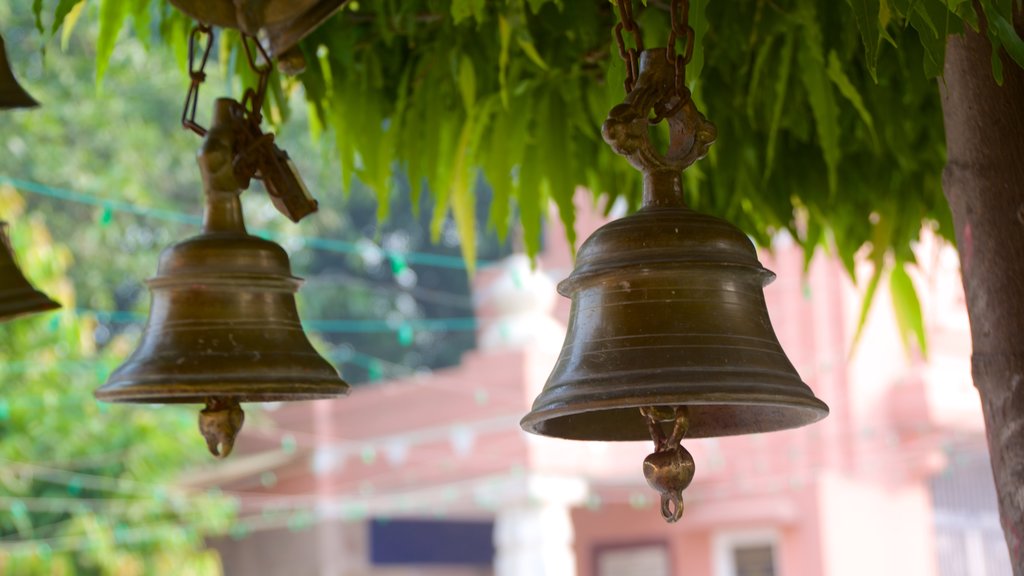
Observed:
{"x":432,"y":474}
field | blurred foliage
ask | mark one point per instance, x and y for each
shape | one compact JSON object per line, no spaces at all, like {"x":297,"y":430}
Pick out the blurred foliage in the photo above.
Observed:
{"x":829,"y":120}
{"x":356,"y":268}
{"x":87,"y":488}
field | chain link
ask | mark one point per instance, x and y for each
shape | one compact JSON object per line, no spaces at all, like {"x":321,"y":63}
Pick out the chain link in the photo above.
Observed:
{"x":252,"y":100}
{"x":631,"y":56}
{"x":199,"y":55}
{"x":197,"y":74}
{"x":680,"y":17}
{"x":681,"y":29}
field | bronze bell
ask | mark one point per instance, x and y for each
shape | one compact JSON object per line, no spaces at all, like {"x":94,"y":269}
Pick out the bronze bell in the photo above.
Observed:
{"x":223,"y":327}
{"x":12,"y":95}
{"x":669,"y":335}
{"x":282,"y":23}
{"x":17,"y":296}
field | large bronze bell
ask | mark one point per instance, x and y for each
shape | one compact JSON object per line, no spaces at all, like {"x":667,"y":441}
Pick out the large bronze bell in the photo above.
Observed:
{"x":669,"y":335}
{"x":12,"y":95}
{"x":223,"y":327}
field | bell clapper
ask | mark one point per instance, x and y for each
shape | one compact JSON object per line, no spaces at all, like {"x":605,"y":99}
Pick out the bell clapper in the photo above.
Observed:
{"x":220,"y":423}
{"x":670,"y":469}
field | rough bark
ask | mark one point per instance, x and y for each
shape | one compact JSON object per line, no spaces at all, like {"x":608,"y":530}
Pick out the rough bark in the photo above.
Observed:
{"x":984,"y":183}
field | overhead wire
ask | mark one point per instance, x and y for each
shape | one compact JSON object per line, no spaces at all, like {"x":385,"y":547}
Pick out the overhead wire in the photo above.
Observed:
{"x":313,"y":242}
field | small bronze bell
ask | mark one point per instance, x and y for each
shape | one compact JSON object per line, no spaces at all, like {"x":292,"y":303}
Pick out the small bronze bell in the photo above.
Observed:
{"x":17,"y":296}
{"x":12,"y":95}
{"x":669,"y":335}
{"x":223,"y":327}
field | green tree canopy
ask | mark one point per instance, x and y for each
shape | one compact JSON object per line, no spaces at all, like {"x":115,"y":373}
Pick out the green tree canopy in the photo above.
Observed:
{"x":828,"y":113}
{"x":823,"y":126}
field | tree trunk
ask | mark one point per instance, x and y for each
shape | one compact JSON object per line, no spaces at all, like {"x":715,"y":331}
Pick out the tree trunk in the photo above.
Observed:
{"x":984,"y":183}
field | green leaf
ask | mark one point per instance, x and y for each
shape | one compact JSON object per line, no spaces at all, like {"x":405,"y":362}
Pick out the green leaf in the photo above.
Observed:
{"x":462,"y":9}
{"x":785,"y":62}
{"x":62,"y":11}
{"x":526,"y":44}
{"x":849,"y":91}
{"x":37,"y":11}
{"x":508,"y":138}
{"x":755,"y":90}
{"x":865,"y":305}
{"x":467,"y":83}
{"x":881,"y":237}
{"x":557,"y":154}
{"x":505,"y":37}
{"x":884,"y":18}
{"x":69,"y":24}
{"x":699,"y":23}
{"x":907,"y":308}
{"x":112,"y":17}
{"x":811,"y":59}
{"x":464,"y":180}
{"x":1002,"y":32}
{"x":532,"y":196}
{"x":141,"y":20}
{"x":869,"y":15}
{"x":934,"y":24}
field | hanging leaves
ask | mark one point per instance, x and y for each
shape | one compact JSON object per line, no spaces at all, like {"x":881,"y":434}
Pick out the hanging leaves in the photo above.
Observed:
{"x":825,"y":111}
{"x":908,"y":310}
{"x":112,"y":17}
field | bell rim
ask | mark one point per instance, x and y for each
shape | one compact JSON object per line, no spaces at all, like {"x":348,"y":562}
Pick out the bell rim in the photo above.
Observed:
{"x":582,"y":278}
{"x":37,"y":303}
{"x":137,"y":392}
{"x":812,"y":407}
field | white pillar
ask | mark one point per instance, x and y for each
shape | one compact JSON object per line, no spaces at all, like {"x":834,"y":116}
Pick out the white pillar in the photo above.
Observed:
{"x":535,"y":537}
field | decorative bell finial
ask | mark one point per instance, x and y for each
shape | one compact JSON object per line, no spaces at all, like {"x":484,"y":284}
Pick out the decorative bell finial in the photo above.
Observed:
{"x":223,"y":327}
{"x":669,"y":335}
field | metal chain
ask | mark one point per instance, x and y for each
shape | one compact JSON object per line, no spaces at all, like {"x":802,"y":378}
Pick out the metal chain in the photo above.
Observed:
{"x":252,"y":100}
{"x":631,"y":56}
{"x":680,"y":16}
{"x":199,"y":55}
{"x":197,"y":74}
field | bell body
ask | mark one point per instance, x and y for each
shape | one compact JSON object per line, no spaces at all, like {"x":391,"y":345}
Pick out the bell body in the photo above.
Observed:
{"x":668,"y":310}
{"x":17,"y":296}
{"x":223,"y":327}
{"x":283,"y":22}
{"x":223,"y":323}
{"x":12,"y":95}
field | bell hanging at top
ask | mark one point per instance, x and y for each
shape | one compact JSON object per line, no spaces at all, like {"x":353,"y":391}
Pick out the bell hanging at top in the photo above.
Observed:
{"x":281,"y":23}
{"x":669,"y":335}
{"x":12,"y":95}
{"x":223,"y":327}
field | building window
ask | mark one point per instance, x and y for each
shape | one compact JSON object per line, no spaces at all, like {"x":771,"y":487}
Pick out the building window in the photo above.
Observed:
{"x":745,"y":554}
{"x":637,"y":560}
{"x":755,"y":560}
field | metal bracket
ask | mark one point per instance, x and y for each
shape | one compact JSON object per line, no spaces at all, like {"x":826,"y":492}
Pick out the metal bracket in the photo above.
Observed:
{"x":627,"y":128}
